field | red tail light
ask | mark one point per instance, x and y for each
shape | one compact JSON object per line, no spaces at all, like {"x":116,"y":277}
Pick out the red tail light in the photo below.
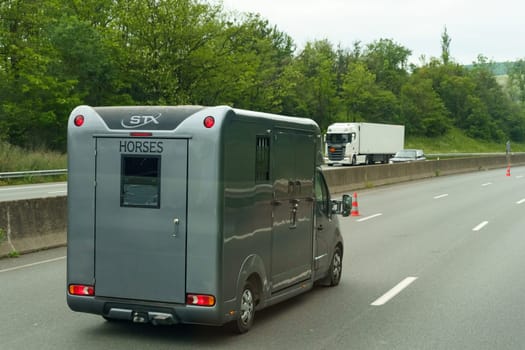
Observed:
{"x":80,"y":289}
{"x":200,"y":299}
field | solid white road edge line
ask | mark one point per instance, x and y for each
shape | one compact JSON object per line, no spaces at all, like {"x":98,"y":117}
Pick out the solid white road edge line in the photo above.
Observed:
{"x":26,"y":187}
{"x":33,"y":264}
{"x":441,"y":196}
{"x":369,"y":217}
{"x":394,"y":291}
{"x":480,"y":226}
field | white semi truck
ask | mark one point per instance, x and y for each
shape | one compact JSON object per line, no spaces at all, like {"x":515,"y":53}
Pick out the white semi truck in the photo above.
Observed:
{"x":362,"y":143}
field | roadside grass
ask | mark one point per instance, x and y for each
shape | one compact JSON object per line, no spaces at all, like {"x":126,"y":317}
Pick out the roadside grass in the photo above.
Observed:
{"x":457,"y":142}
{"x":13,"y":158}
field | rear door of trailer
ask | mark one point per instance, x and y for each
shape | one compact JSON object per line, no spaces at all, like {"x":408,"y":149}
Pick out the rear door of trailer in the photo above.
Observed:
{"x":140,"y":218}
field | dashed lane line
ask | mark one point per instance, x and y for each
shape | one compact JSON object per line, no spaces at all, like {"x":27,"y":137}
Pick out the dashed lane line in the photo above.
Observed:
{"x":369,"y":217}
{"x":394,"y":291}
{"x":33,"y":264}
{"x":441,"y":196}
{"x":480,"y":226}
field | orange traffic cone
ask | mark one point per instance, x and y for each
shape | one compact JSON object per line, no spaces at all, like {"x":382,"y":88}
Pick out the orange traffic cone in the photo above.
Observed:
{"x":508,"y":171}
{"x":355,"y":209}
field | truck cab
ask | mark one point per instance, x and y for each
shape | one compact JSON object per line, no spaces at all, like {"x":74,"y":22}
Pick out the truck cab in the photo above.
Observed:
{"x":341,"y":143}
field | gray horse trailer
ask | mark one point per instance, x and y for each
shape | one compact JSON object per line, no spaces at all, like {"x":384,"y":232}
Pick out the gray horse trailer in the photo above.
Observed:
{"x":191,"y":214}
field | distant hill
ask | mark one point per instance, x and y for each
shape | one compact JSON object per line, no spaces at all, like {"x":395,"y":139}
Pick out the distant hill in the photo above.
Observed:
{"x":498,"y":68}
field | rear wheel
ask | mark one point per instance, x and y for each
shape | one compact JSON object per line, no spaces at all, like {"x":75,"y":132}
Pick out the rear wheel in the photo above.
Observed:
{"x":246,"y":314}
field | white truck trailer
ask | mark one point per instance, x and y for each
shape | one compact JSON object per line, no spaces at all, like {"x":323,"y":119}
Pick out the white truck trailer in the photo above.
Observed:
{"x":362,"y":143}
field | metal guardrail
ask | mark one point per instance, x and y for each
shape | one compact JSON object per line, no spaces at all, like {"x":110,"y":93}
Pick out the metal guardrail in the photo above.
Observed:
{"x":19,"y":174}
{"x":453,"y":155}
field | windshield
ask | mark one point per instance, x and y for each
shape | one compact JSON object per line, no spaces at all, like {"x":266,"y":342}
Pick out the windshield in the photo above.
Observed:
{"x":338,"y":138}
{"x":406,"y":154}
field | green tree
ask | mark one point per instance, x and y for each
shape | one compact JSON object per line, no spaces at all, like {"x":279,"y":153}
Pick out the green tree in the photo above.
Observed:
{"x":365,"y":100}
{"x":166,"y":47}
{"x":358,"y":89}
{"x":516,"y":81}
{"x":250,"y":58}
{"x":454,"y":87}
{"x":497,"y":103}
{"x":445,"y":47}
{"x":34,"y":102}
{"x":313,"y":90}
{"x":389,"y":62}
{"x":87,"y":56}
{"x":423,"y":111}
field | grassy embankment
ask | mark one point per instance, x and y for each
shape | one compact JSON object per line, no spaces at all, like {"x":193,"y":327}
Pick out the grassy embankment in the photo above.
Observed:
{"x":456,"y":142}
{"x":14,"y":158}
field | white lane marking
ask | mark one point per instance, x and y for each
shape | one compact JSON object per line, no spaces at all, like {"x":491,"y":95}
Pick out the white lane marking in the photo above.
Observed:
{"x":33,"y":264}
{"x":369,"y":217}
{"x":521,"y":201}
{"x":486,"y":184}
{"x":441,"y":196}
{"x":519,"y":176}
{"x":56,"y":192}
{"x":394,"y":291}
{"x":29,"y":187}
{"x":480,"y":226}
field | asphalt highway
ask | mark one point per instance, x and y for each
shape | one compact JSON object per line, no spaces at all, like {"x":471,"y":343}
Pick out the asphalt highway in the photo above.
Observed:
{"x":10,"y":193}
{"x":432,"y":264}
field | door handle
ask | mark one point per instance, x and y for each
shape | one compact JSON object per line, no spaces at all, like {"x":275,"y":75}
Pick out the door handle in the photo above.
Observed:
{"x":176,"y":222}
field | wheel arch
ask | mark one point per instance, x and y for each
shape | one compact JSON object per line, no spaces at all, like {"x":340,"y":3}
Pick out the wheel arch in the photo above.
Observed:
{"x":253,"y":270}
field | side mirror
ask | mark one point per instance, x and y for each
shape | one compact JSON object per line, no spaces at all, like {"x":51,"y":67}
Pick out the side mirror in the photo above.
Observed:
{"x":343,"y":206}
{"x":347,"y":205}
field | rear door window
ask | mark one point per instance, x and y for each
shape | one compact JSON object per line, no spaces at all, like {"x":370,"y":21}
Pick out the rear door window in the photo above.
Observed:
{"x":140,"y":181}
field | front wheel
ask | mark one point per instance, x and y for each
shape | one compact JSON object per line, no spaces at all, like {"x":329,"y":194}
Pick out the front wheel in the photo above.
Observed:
{"x":336,"y":267}
{"x":246,"y":313}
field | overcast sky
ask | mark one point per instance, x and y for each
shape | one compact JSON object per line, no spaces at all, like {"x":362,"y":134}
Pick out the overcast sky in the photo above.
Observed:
{"x":495,"y":29}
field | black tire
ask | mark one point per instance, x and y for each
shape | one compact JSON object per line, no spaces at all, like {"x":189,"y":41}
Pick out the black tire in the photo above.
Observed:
{"x":354,"y":160}
{"x":336,"y":268}
{"x":246,"y":314}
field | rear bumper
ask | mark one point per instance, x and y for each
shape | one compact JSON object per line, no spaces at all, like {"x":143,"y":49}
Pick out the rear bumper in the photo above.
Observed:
{"x":148,"y":312}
